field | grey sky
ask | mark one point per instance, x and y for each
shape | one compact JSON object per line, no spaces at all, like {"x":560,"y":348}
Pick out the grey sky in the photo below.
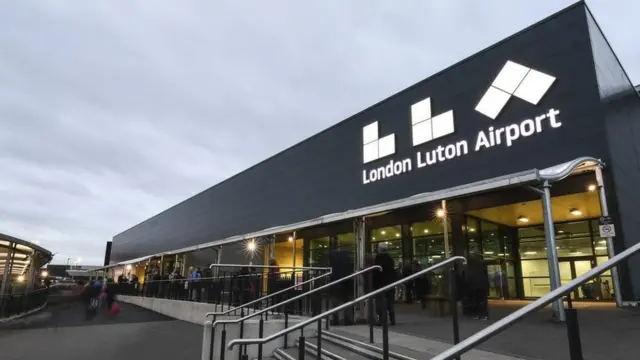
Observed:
{"x":112,"y":111}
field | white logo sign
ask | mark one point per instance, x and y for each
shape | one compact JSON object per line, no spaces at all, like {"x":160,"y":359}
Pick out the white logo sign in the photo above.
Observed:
{"x":374,"y":148}
{"x":424,"y":127}
{"x":514,"y":80}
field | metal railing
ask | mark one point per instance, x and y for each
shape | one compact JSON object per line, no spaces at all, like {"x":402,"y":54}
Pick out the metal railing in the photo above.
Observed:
{"x":226,"y":288}
{"x":572,"y":325}
{"x":281,"y":304}
{"x":318,"y":318}
{"x":21,"y":303}
{"x":266,"y":297}
{"x":215,"y":314}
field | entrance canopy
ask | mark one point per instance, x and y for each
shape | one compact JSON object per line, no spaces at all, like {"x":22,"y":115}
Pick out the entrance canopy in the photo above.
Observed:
{"x":529,"y":177}
{"x":16,"y":255}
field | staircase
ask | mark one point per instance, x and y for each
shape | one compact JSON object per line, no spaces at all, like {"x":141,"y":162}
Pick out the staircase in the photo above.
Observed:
{"x":341,"y":346}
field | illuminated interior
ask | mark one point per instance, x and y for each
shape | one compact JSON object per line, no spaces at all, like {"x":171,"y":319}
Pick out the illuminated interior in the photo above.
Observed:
{"x":497,"y":232}
{"x":530,"y":212}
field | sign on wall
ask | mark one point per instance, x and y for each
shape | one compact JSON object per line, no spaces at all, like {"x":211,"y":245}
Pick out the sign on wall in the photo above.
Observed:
{"x":606,"y":227}
{"x":513,"y":80}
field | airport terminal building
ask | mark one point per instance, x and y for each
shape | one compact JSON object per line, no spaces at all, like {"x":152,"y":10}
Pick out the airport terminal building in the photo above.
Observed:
{"x":444,"y":167}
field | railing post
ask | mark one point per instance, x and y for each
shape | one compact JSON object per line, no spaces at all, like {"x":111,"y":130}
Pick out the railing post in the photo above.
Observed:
{"x":213,"y":332}
{"x":286,"y":325}
{"x":223,"y":339}
{"x":241,"y":332}
{"x":385,"y":326}
{"x":319,"y":339}
{"x":260,"y":334}
{"x":573,"y":331}
{"x":370,"y":314}
{"x":301,"y":345}
{"x":453,"y":293}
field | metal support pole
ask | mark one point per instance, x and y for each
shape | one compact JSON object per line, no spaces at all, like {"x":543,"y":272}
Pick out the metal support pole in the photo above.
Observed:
{"x":552,"y":252}
{"x":295,"y":278}
{"x":604,"y":210}
{"x":445,"y":224}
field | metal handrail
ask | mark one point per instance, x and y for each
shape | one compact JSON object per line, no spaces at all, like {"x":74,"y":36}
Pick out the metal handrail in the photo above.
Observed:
{"x":298,"y":297}
{"x":512,"y":318}
{"x":301,"y":268}
{"x":372,"y":294}
{"x":268,"y":296}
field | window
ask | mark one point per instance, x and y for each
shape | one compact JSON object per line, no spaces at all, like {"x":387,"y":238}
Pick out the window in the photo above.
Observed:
{"x":428,"y":241}
{"x":392,"y":236}
{"x":319,"y":251}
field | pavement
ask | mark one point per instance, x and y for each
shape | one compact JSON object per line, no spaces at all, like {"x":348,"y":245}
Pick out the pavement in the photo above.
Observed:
{"x":606,"y":332}
{"x":60,"y":332}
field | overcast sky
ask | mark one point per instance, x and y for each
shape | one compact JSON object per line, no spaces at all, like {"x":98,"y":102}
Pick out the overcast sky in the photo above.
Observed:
{"x":112,"y":111}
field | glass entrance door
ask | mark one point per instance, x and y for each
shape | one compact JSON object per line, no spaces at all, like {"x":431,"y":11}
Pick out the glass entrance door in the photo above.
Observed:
{"x":571,"y":269}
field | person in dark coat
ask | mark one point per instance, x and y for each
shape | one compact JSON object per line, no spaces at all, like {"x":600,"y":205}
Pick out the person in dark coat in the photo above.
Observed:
{"x":383,"y":278}
{"x":421,"y":284}
{"x":477,"y":284}
{"x":341,"y":266}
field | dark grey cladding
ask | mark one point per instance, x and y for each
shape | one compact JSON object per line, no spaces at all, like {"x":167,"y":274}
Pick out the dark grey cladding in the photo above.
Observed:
{"x":621,"y":115}
{"x":323,"y":174}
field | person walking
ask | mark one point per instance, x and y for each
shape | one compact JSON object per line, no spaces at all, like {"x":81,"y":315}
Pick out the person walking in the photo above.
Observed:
{"x":477,"y":283}
{"x":383,"y":278}
{"x":421,"y":284}
{"x":341,"y":293}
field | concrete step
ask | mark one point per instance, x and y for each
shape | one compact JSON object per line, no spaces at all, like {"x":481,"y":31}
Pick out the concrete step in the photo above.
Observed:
{"x":368,"y":350}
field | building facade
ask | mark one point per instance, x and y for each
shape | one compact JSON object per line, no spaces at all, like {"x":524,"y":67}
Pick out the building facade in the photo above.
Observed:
{"x":549,"y":94}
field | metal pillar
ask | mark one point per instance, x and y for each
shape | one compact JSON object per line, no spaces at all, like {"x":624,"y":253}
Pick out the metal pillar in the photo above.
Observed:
{"x":445,"y":223}
{"x":604,"y":210}
{"x":295,"y":277}
{"x":272,"y":247}
{"x":552,"y":252}
{"x":361,"y":250}
{"x":7,"y":268}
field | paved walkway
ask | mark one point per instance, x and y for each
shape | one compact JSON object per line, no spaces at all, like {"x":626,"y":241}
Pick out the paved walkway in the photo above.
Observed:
{"x":606,"y":332}
{"x":61,"y":333}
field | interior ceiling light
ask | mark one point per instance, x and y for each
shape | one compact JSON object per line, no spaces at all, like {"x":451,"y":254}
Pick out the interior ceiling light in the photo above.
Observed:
{"x":601,"y":248}
{"x":426,"y":231}
{"x":523,"y":219}
{"x":397,"y":235}
{"x":592,"y":187}
{"x":530,"y":252}
{"x":575,"y":212}
{"x":290,"y":238}
{"x":383,"y":232}
{"x":472,"y":230}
